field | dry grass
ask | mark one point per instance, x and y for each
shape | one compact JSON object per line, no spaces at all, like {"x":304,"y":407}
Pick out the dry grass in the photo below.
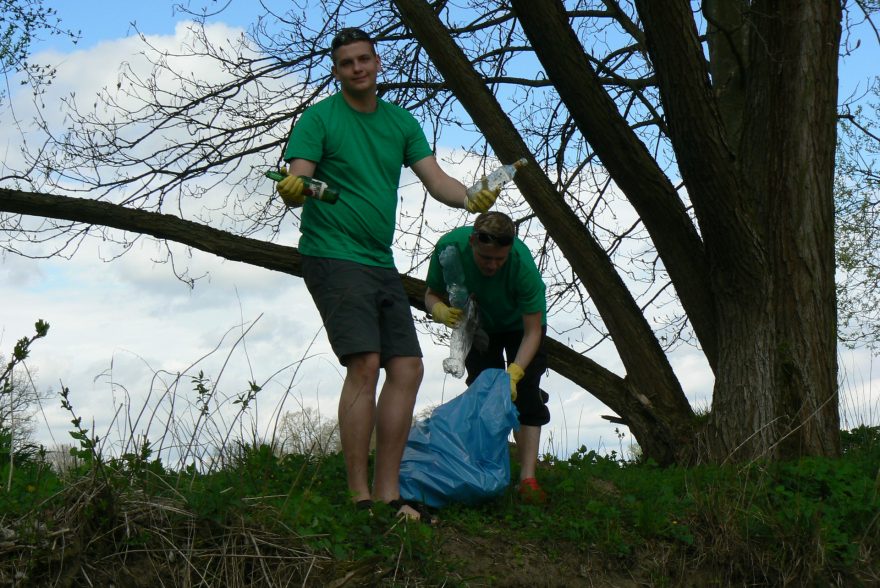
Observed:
{"x":93,"y":536}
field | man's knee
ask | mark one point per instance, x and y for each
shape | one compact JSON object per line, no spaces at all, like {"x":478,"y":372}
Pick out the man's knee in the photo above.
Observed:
{"x":405,"y":366}
{"x":363,"y":366}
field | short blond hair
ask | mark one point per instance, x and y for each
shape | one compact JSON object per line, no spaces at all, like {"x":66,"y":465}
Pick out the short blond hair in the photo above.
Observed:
{"x":495,"y":223}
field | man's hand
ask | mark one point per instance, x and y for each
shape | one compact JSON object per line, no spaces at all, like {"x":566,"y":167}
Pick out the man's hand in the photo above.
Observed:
{"x":291,"y":190}
{"x":516,"y":374}
{"x":482,"y":201}
{"x":446,"y":315}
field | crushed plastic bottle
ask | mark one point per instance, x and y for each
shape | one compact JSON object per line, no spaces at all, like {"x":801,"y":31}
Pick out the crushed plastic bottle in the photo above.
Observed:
{"x":461,"y":341}
{"x":453,"y":275}
{"x":462,"y":335}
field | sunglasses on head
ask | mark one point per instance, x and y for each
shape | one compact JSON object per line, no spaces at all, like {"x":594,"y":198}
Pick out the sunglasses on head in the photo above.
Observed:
{"x":346,"y":36}
{"x":489,"y":238}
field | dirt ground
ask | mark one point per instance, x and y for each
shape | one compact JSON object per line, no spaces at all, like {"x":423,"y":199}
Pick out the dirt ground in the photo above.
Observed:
{"x":498,"y":561}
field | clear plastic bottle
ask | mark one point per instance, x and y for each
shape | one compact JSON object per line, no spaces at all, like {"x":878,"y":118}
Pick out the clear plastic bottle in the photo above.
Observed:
{"x":453,"y":275}
{"x":462,"y":335}
{"x":497,"y":178}
{"x":461,"y":340}
{"x":311,"y":187}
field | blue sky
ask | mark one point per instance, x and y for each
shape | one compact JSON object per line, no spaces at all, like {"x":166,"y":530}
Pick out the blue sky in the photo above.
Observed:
{"x":100,"y":20}
{"x":121,"y":331}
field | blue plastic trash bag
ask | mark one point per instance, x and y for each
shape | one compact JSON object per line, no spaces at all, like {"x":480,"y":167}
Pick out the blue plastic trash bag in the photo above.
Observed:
{"x":460,"y":453}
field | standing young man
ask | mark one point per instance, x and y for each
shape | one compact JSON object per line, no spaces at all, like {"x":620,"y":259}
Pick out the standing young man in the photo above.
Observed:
{"x":357,"y":143}
{"x":502,"y":276}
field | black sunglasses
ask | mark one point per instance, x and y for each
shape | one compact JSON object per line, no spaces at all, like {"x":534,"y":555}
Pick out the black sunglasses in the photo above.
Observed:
{"x":346,"y":36}
{"x":487,"y":238}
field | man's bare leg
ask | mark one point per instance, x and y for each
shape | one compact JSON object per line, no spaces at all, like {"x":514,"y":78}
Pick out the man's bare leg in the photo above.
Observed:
{"x":394,"y":411}
{"x":528,"y":440}
{"x":357,"y":404}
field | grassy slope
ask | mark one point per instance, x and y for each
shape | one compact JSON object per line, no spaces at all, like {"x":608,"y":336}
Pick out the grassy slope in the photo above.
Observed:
{"x":262,"y":521}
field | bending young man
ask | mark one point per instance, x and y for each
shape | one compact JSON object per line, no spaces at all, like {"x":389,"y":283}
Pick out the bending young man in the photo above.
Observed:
{"x":502,"y":276}
{"x":357,"y":143}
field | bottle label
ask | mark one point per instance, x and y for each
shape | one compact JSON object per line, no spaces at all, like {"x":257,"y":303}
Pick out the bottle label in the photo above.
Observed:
{"x":319,"y":190}
{"x":316,"y":188}
{"x":312,"y":188}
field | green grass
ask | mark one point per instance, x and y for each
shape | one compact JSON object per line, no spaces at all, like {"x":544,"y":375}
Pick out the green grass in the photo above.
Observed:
{"x":236,"y":513}
{"x":263,"y":518}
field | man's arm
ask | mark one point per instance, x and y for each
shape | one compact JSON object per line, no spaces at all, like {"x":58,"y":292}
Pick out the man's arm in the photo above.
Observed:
{"x":441,"y":186}
{"x":432,"y":297}
{"x":301,"y":167}
{"x":531,"y":341}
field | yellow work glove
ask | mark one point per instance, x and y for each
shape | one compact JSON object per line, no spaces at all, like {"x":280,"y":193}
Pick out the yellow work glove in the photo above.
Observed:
{"x":516,"y":374}
{"x":449,"y":316}
{"x":291,"y":191}
{"x":482,"y":200}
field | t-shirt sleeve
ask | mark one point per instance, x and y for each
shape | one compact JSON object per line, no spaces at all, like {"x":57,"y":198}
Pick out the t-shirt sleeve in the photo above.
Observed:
{"x":532,"y":291}
{"x":532,"y":298}
{"x":306,"y":140}
{"x":417,"y":147}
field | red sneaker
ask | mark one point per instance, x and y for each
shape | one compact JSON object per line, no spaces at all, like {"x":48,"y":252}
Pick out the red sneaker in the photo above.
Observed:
{"x":531,"y":492}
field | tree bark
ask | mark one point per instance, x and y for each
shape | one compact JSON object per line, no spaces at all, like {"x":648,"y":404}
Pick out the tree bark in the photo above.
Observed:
{"x":765,"y":207}
{"x":793,"y":112}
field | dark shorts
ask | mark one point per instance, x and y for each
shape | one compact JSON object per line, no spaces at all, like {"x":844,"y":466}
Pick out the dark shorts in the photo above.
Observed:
{"x":364,"y":308}
{"x":531,"y":401}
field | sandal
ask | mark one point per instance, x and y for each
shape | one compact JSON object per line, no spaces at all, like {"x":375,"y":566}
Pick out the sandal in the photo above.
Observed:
{"x":426,"y":514}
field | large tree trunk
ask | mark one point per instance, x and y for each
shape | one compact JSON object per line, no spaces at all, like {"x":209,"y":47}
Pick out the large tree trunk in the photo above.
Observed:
{"x":761,"y":180}
{"x":792,"y":113}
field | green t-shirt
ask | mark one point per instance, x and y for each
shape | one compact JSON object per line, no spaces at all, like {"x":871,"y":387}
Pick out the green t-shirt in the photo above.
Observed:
{"x":515,"y":289}
{"x":360,"y":155}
